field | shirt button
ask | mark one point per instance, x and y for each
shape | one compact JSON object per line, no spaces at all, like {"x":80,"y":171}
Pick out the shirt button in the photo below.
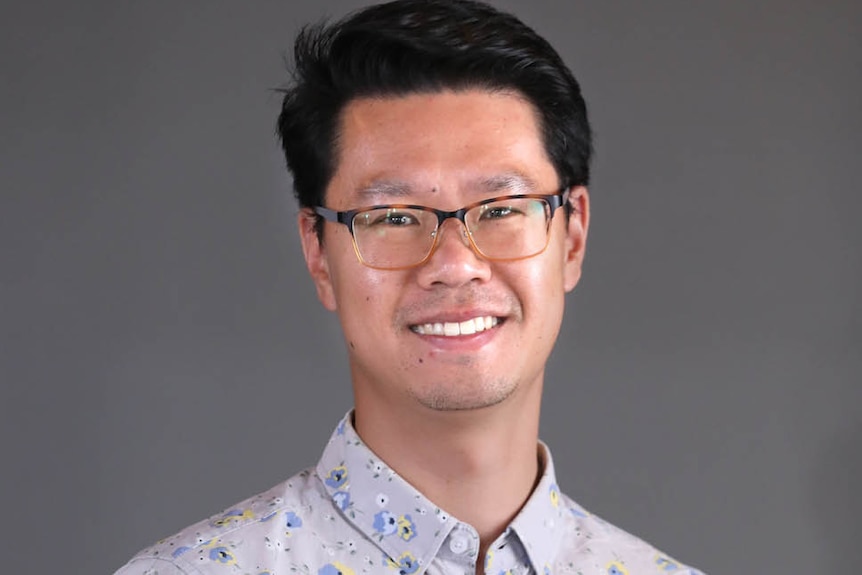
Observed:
{"x":459,"y":544}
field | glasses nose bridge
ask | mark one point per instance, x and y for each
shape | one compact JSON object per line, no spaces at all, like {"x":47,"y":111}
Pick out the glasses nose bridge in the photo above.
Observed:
{"x":459,"y":215}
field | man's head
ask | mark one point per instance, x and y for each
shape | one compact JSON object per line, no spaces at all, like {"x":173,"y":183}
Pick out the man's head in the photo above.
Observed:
{"x":439,"y":110}
{"x":422,"y":46}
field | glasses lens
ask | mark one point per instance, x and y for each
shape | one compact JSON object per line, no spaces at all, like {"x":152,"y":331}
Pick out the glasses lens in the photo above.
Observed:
{"x":393,"y":237}
{"x":510,"y":228}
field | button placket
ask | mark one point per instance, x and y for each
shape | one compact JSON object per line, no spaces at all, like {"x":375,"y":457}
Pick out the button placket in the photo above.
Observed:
{"x":459,"y":544}
{"x":462,"y":541}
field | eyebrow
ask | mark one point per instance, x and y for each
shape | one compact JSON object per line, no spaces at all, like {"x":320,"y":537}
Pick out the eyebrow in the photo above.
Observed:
{"x":511,"y":182}
{"x":388,"y":188}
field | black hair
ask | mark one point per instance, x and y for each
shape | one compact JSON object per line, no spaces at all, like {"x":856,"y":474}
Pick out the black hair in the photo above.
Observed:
{"x":423,"y":46}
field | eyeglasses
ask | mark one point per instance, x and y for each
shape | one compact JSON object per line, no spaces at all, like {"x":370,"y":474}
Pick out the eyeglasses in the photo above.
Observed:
{"x":400,"y":236}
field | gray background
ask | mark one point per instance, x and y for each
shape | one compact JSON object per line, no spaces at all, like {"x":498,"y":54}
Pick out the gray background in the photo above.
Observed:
{"x":162,"y":353}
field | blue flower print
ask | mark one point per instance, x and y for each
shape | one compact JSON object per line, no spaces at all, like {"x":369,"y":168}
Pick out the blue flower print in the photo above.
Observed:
{"x":179,"y":551}
{"x":617,"y":569}
{"x":337,"y":477}
{"x":385,"y":523}
{"x":407,"y":564}
{"x":577,"y":512}
{"x":666,"y":564}
{"x":222,"y":555}
{"x":335,"y":568}
{"x":406,"y":528}
{"x":547,"y":570}
{"x":342,"y":499}
{"x":292,"y":520}
{"x":340,"y":429}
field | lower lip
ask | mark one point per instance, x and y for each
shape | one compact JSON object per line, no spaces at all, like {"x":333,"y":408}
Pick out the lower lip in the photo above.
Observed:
{"x":461,"y":343}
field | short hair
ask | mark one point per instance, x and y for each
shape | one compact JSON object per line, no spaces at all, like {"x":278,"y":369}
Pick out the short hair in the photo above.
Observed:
{"x":423,"y":46}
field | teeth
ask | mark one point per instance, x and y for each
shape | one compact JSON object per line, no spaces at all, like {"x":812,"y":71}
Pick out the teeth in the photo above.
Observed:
{"x":469,"y":327}
{"x":451,"y":328}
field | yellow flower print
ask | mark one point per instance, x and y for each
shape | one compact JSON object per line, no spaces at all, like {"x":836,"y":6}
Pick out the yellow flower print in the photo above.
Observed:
{"x":554,"y":493}
{"x":489,"y":560}
{"x":406,"y":528}
{"x":335,"y":568}
{"x":232,"y":516}
{"x":616,"y":568}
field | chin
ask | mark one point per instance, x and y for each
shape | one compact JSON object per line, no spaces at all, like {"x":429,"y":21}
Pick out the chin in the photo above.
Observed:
{"x":457,"y":398}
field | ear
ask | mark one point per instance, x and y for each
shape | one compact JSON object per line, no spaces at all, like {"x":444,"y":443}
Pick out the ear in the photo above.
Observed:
{"x":576,"y":235}
{"x":315,"y":258}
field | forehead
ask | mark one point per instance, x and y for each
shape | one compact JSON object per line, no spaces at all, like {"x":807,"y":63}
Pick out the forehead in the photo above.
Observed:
{"x":418,"y":143}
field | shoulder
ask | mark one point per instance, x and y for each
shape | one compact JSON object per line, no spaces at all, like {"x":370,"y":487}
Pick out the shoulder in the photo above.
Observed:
{"x":237,"y":531}
{"x":605,"y":548}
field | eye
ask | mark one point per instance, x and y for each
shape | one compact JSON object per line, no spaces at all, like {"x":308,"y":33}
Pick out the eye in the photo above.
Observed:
{"x":499,"y":212}
{"x":392,"y":219}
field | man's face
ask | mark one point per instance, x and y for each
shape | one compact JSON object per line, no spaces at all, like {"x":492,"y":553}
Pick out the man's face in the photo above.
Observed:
{"x":444,"y":150}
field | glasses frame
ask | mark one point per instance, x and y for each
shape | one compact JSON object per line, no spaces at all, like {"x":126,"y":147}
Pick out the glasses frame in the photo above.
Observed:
{"x":346,"y":217}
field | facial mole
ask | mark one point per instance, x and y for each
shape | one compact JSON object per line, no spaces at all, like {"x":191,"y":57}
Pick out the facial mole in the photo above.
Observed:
{"x":421,"y":360}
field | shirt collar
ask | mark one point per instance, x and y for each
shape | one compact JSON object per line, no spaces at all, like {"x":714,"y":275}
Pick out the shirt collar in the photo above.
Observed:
{"x":407,"y":527}
{"x":402,"y":522}
{"x":539,"y":522}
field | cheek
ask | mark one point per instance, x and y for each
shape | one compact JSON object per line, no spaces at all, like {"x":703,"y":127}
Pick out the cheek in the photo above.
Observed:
{"x":541,"y":290}
{"x":359,"y":286}
{"x":557,"y":267}
{"x":542,"y":282}
{"x":366,"y":299}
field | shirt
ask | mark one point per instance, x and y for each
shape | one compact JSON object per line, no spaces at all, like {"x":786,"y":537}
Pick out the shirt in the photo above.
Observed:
{"x":353,"y":514}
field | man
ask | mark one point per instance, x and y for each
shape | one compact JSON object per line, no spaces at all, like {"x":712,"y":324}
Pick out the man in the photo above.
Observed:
{"x":440,"y":154}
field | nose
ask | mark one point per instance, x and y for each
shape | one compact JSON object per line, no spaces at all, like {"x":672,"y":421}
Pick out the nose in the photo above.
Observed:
{"x":454,"y":261}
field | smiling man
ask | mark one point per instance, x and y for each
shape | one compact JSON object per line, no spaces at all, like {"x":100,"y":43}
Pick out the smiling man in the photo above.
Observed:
{"x":440,"y":154}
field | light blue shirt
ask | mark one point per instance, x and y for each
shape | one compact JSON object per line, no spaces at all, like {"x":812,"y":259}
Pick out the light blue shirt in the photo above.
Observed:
{"x":352,"y":514}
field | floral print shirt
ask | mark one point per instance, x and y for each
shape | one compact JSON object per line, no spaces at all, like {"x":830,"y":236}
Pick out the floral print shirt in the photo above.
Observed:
{"x":352,"y":514}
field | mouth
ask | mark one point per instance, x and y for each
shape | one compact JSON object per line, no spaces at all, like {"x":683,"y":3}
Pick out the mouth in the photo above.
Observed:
{"x":457,"y":328}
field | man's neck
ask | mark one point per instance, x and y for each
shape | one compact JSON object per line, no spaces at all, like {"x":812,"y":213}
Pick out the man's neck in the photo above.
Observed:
{"x":480,"y":466}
